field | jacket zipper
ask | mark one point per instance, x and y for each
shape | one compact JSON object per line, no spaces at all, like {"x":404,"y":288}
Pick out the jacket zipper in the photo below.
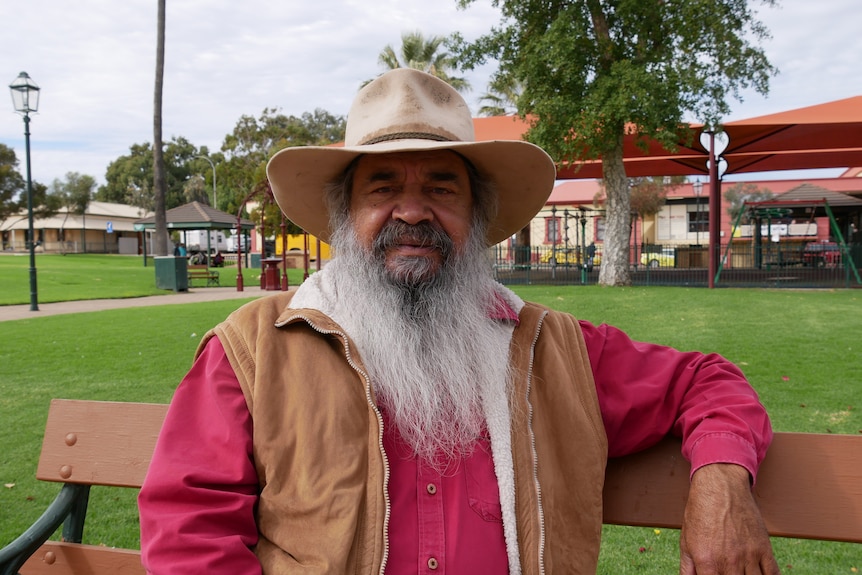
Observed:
{"x":377,"y":414}
{"x":541,"y":554}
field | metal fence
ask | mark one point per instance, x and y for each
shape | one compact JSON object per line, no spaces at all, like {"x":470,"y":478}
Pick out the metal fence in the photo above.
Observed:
{"x":743,"y":265}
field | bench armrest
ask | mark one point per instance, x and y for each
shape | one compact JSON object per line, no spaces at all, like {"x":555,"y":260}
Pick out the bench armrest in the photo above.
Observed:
{"x":16,"y":553}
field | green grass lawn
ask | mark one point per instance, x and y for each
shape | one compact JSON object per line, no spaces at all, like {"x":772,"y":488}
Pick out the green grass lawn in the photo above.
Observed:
{"x":800,"y":349}
{"x":96,"y":276}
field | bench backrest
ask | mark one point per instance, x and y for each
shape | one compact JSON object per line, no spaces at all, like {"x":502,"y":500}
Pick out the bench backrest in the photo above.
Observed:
{"x":810,"y":485}
{"x":99,"y":442}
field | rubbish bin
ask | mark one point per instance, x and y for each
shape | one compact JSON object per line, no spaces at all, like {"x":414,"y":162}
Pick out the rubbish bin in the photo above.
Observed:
{"x":172,"y":273}
{"x":269,"y":279}
{"x":255,"y":261}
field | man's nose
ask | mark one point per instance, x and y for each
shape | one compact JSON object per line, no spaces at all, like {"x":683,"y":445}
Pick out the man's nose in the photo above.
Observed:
{"x":412,"y":206}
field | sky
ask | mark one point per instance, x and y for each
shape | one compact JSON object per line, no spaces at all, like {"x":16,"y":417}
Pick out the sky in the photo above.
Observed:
{"x":94,"y":61}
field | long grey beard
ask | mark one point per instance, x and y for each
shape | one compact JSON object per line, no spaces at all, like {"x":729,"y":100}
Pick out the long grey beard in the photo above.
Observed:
{"x":431,"y":350}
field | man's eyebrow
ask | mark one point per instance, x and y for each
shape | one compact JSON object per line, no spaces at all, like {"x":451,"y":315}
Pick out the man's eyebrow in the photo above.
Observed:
{"x":443,"y":176}
{"x":382,"y":175}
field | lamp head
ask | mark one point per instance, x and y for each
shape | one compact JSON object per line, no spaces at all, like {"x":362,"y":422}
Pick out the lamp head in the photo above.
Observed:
{"x":25,"y":94}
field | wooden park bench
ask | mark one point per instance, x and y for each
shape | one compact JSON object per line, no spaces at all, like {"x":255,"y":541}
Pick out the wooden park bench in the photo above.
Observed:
{"x":202,"y":272}
{"x":810,"y":486}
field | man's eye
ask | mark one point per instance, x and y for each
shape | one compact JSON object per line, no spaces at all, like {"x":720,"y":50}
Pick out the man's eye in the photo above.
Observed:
{"x":441,"y":191}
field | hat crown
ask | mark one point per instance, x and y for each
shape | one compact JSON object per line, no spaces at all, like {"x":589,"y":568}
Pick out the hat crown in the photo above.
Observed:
{"x":407,"y":104}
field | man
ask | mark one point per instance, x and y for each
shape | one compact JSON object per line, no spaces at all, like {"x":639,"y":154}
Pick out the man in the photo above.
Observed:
{"x":404,"y":413}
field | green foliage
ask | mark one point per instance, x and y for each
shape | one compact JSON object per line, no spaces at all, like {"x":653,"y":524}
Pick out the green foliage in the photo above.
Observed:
{"x":502,"y":96}
{"x":648,"y":194}
{"x":254,"y":140}
{"x":13,"y":190}
{"x":45,"y":204}
{"x":75,"y":192}
{"x":12,"y":184}
{"x":742,"y":192}
{"x":268,"y":217}
{"x":426,"y":54}
{"x":590,"y":68}
{"x":129,"y":179}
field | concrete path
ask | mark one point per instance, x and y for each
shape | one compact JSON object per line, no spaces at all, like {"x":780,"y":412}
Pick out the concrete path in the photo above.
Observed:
{"x":13,"y":312}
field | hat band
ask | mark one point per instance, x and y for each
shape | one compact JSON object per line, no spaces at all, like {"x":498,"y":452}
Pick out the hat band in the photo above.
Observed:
{"x":406,"y":136}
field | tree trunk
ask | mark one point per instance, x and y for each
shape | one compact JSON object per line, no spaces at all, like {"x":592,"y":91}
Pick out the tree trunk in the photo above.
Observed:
{"x":160,"y":238}
{"x":615,"y":253}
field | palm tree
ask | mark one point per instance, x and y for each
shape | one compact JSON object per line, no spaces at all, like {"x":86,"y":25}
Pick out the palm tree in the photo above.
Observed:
{"x":420,"y":53}
{"x":160,"y":241}
{"x":501,"y":99}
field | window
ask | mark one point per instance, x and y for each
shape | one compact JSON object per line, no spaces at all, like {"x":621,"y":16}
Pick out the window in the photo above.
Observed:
{"x":552,"y":231}
{"x":698,"y":222}
{"x":600,"y":229}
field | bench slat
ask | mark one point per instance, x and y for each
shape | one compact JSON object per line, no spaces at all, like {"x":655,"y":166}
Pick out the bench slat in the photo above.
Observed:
{"x":809,"y":486}
{"x":55,"y":558}
{"x":99,"y":443}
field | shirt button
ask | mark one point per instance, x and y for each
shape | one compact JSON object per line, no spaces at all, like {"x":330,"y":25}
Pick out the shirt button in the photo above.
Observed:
{"x":432,"y":563}
{"x":432,"y":489}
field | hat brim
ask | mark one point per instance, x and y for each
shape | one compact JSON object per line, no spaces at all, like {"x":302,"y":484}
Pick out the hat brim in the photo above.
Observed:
{"x":522,"y":174}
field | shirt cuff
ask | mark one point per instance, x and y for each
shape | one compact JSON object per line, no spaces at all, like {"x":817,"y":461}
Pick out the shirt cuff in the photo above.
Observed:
{"x":724,"y":448}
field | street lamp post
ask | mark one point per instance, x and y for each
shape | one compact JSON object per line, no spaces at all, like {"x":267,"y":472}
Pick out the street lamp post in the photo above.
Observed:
{"x":215,"y":202}
{"x":25,"y":98}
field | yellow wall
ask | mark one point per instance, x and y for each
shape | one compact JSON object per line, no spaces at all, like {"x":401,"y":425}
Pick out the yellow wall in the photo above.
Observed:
{"x":295,"y":242}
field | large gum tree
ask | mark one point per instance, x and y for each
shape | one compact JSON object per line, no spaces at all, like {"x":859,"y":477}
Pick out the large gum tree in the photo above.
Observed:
{"x":594,"y":70}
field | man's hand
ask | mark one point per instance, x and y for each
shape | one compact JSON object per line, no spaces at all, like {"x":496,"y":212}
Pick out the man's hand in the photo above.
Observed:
{"x":723,"y":532}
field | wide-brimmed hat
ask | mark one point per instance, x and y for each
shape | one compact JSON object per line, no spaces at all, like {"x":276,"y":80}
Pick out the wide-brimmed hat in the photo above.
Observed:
{"x":407,"y":110}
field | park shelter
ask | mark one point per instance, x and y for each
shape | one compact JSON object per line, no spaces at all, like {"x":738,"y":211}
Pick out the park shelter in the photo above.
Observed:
{"x":197,"y":216}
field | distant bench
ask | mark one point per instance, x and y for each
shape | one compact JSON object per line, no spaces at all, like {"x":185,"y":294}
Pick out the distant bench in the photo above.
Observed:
{"x":809,"y":486}
{"x":202,"y":272}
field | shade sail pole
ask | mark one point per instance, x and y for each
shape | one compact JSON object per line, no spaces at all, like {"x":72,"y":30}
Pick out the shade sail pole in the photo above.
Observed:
{"x":714,"y":213}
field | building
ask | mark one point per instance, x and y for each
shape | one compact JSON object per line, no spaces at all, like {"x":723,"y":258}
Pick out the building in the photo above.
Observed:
{"x":574,"y":215}
{"x":104,"y":228}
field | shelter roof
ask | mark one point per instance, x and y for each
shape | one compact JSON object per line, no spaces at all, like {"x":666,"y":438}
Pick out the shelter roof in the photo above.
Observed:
{"x":808,"y":200}
{"x":826,"y":135}
{"x":643,"y":156}
{"x":815,"y":194}
{"x":197,"y":216}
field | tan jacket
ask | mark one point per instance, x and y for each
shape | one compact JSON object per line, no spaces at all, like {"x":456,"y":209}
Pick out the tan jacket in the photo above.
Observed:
{"x":318,"y":443}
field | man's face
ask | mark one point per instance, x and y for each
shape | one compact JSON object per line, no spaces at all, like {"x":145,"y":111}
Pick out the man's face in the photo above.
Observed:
{"x":411,"y":188}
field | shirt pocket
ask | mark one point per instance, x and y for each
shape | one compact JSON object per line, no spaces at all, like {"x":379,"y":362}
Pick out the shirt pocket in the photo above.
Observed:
{"x":483,"y":493}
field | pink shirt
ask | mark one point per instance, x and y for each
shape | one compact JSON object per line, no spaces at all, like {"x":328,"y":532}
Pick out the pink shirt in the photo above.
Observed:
{"x":197,"y":504}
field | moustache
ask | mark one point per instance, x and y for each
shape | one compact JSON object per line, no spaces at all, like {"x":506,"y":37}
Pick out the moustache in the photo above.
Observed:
{"x":423,"y":234}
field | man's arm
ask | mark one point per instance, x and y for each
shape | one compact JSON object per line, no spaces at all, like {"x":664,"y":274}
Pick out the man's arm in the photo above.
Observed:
{"x":647,"y":391}
{"x":722,"y":530}
{"x":197,"y":502}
